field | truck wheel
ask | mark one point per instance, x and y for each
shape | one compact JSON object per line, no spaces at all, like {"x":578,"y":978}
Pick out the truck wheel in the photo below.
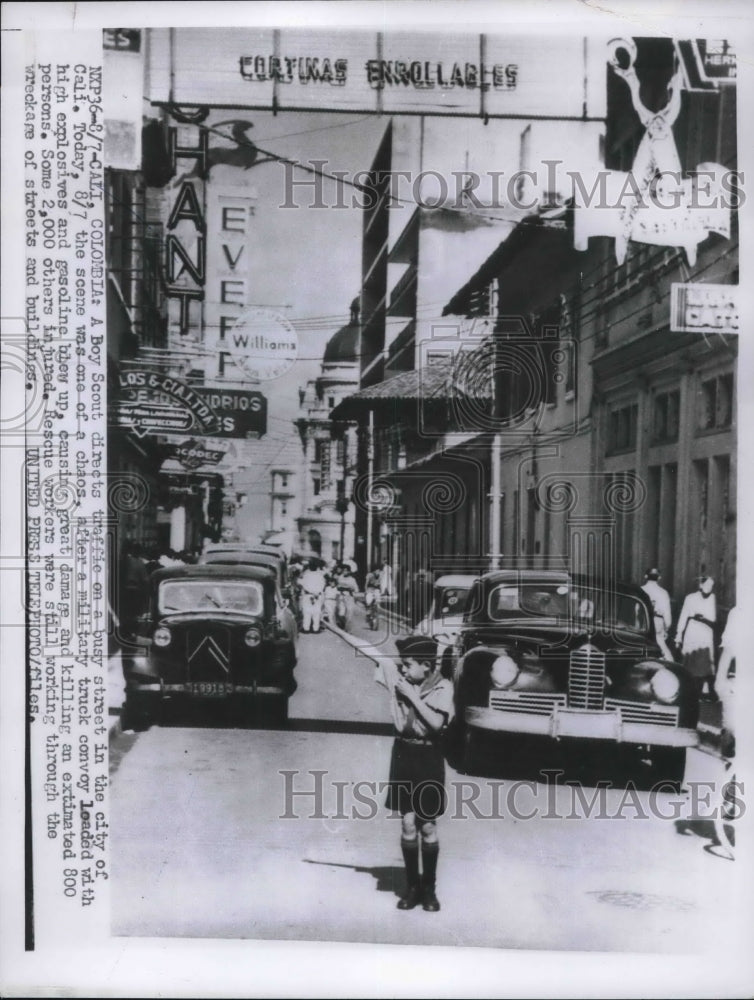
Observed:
{"x":669,"y":765}
{"x":136,"y":714}
{"x":474,"y":760}
{"x":277,"y":709}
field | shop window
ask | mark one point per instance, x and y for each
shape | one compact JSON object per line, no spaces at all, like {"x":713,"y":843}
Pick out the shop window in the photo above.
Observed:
{"x":666,"y":417}
{"x":716,"y":403}
{"x":621,"y":429}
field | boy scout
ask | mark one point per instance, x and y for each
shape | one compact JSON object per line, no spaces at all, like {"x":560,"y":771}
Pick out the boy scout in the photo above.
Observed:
{"x":422,"y":706}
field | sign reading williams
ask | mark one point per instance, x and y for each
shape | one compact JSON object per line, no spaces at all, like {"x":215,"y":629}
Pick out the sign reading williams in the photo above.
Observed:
{"x":262,"y":343}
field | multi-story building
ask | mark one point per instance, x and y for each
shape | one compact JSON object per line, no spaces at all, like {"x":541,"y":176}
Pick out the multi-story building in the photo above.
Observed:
{"x":326,"y":513}
{"x":610,"y":443}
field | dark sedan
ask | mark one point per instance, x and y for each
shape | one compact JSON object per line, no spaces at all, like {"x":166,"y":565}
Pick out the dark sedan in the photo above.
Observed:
{"x":565,"y":657}
{"x":212,"y":633}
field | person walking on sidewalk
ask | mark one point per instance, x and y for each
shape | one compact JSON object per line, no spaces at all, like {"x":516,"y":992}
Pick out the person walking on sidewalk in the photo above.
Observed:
{"x":695,"y":637}
{"x":663,"y":616}
{"x":421,"y":702}
{"x":312,"y":583}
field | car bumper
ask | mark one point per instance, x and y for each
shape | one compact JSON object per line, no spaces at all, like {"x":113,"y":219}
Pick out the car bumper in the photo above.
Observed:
{"x":570,"y":723}
{"x":158,"y":690}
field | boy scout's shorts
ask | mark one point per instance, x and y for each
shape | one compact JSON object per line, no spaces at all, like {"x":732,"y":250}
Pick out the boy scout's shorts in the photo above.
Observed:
{"x":417,"y":780}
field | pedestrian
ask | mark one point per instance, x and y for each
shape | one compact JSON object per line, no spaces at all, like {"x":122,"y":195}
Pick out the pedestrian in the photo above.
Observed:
{"x":421,"y":702}
{"x":386,"y":580}
{"x":730,"y":644}
{"x":660,"y":600}
{"x":695,"y":637}
{"x":348,"y":587}
{"x":330,"y":597}
{"x":312,"y":582}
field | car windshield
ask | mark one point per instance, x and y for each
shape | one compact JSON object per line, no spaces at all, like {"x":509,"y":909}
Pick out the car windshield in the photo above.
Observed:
{"x":211,"y":595}
{"x":594,"y":607}
{"x":449,"y":601}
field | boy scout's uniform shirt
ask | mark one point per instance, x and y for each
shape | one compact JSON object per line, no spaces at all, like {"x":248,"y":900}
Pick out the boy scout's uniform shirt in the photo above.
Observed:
{"x":435,"y":691}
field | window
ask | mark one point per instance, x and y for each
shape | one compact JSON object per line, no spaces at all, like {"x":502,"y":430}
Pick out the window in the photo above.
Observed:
{"x":437,"y":357}
{"x":621,"y":429}
{"x":316,"y":485}
{"x":283,"y":508}
{"x":666,"y":413}
{"x":320,"y":447}
{"x":284,"y":482}
{"x":340,"y":451}
{"x":715,"y":410}
{"x":331,"y":402}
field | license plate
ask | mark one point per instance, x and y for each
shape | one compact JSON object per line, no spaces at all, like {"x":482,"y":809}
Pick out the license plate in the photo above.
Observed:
{"x":210,"y":689}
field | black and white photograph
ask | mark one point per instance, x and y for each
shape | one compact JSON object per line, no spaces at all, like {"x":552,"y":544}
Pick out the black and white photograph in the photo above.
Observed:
{"x":376,"y":522}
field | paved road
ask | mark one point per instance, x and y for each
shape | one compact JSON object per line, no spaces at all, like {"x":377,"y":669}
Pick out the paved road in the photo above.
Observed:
{"x":200,"y":846}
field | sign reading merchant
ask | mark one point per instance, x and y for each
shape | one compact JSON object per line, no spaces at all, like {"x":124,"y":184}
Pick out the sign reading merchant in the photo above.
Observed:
{"x":432,"y":73}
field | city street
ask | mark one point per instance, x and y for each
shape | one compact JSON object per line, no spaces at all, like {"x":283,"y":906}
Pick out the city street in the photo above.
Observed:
{"x":200,"y":847}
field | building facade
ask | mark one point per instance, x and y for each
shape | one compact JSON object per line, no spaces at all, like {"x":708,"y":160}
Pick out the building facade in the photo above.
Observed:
{"x":325,"y":524}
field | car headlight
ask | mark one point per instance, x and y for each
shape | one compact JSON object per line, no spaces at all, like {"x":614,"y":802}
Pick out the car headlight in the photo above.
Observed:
{"x":503,"y":672}
{"x":665,"y":685}
{"x":253,"y":637}
{"x":162,"y":636}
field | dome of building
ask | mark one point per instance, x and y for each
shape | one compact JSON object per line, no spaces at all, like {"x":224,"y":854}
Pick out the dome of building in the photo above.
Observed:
{"x":343,"y":347}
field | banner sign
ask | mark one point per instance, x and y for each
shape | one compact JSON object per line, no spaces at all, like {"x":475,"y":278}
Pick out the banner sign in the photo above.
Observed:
{"x":701,"y":308}
{"x":153,"y":403}
{"x":192,"y":454}
{"x":239,"y":412}
{"x":431,"y":73}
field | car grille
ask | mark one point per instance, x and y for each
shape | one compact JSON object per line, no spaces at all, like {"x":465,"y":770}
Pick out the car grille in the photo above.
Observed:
{"x":631,"y":711}
{"x":208,"y":655}
{"x":586,"y":677}
{"x":533,"y":702}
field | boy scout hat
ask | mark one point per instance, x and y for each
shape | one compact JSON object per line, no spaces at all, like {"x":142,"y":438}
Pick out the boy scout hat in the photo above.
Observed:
{"x":418,"y":647}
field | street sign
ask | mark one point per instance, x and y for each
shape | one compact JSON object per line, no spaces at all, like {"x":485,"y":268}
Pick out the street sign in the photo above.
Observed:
{"x":154,"y":403}
{"x":193,"y":454}
{"x":262,"y":343}
{"x":704,"y":308}
{"x":240,"y":412}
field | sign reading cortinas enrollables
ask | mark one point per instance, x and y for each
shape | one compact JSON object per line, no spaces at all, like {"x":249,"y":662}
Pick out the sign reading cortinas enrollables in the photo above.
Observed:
{"x":262,"y":343}
{"x":703,"y":308}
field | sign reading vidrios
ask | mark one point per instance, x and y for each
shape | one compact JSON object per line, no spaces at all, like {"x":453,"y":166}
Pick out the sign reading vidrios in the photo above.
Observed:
{"x":262,"y":343}
{"x":240,"y":412}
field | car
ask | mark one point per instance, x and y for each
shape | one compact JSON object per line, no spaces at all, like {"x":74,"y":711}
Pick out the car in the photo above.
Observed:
{"x":445,"y":617}
{"x":212,"y":633}
{"x":570,"y":658}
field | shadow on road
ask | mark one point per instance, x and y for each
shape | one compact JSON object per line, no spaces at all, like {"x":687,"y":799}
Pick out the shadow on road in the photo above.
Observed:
{"x":388,"y":878}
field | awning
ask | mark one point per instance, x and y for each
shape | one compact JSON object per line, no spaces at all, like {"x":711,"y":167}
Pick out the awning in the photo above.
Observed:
{"x":441,"y":381}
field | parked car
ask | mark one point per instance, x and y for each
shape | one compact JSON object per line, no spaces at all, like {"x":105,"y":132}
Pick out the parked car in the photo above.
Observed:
{"x":449,"y":600}
{"x":212,"y":632}
{"x":565,"y":657}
